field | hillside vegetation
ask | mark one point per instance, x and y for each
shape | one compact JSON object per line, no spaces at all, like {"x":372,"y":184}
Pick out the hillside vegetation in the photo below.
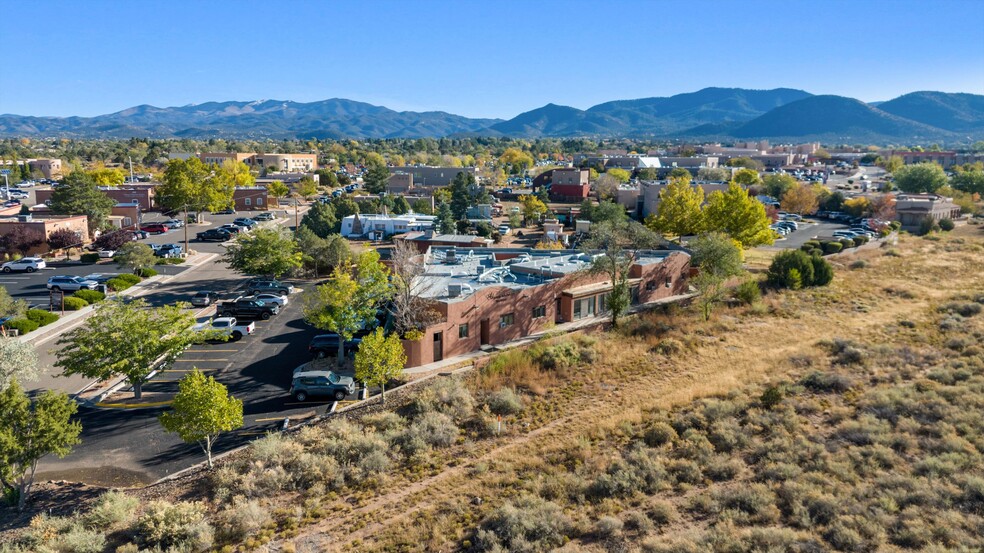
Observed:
{"x":843,"y":418}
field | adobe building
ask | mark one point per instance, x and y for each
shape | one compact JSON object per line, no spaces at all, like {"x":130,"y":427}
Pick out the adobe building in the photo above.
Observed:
{"x":50,"y":168}
{"x":569,"y":184}
{"x":140,"y":194}
{"x":911,"y":209}
{"x":399,"y":184}
{"x":431,"y":177}
{"x":492,"y":296}
{"x":288,"y":163}
{"x":44,"y":225}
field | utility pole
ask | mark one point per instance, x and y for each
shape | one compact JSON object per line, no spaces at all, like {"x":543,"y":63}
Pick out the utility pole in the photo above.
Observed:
{"x":186,"y":229}
{"x":131,"y":168}
{"x":297,"y":224}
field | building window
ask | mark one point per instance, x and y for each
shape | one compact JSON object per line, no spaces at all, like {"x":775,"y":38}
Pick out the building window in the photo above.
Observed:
{"x":259,"y":201}
{"x":540,"y":311}
{"x":506,"y":320}
{"x":669,"y":281}
{"x":463,"y":330}
{"x":247,"y":201}
{"x":651,"y":285}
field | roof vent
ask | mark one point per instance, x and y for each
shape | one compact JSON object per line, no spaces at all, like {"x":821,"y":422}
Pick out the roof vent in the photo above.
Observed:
{"x":26,"y":218}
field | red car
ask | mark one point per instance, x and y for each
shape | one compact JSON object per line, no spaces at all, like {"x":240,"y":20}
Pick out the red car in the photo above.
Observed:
{"x":154,"y":228}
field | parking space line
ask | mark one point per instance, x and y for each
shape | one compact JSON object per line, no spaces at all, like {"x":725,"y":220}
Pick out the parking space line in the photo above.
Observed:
{"x":189,"y":370}
{"x":212,"y":351}
{"x":199,"y":360}
{"x":307,"y":403}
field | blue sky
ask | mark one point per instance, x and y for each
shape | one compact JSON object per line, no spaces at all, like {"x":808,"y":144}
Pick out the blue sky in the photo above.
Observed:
{"x":475,"y":58}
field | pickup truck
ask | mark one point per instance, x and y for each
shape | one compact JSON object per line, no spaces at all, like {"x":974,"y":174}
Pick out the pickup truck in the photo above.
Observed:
{"x":247,"y":309}
{"x":228,"y":326}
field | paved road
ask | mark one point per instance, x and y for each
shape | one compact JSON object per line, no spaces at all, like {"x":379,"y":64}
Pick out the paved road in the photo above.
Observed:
{"x":128,"y":447}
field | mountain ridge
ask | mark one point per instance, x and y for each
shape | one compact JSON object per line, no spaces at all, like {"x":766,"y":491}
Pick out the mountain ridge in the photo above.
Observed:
{"x":714,"y":112}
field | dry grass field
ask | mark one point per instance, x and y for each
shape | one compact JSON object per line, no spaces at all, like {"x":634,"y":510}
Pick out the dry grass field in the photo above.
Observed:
{"x":841,"y":418}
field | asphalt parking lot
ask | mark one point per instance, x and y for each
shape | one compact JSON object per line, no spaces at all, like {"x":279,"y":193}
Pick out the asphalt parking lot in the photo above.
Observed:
{"x":123,"y":445}
{"x":32,"y":287}
{"x":808,"y":230}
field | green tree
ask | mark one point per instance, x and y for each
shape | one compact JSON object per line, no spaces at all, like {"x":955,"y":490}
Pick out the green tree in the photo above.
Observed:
{"x":105,"y":176}
{"x":422,"y":207}
{"x":201,"y":411}
{"x":516,"y":160}
{"x":400,"y":205}
{"x":18,"y":361}
{"x":321,"y":219}
{"x":232,"y":174}
{"x":680,"y":209}
{"x":621,"y":175}
{"x":746,"y":177}
{"x":79,"y":195}
{"x":307,"y":188}
{"x":619,"y":243}
{"x":376,"y":177}
{"x":199,"y":187}
{"x":680,"y":173}
{"x":647,"y":174}
{"x":379,"y":359}
{"x":718,"y":259}
{"x":266,"y":251}
{"x":713,"y":174}
{"x":445,"y":220}
{"x":278,"y":189}
{"x":31,"y":430}
{"x":129,"y":339}
{"x":738,"y":215}
{"x":461,"y":198}
{"x":135,"y":256}
{"x":776,"y":185}
{"x":9,"y":307}
{"x":607,"y":211}
{"x":327,"y":178}
{"x":746,"y":162}
{"x":921,"y":177}
{"x":322,"y":254}
{"x":970,"y":181}
{"x":892,"y":164}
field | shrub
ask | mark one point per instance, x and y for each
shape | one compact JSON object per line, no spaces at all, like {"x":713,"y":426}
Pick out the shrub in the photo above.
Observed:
{"x":927,"y":225}
{"x":89,"y":258}
{"x":127,"y":277}
{"x":661,"y":512}
{"x":771,"y":397}
{"x":78,"y":539}
{"x":90,"y":296}
{"x":748,"y":292}
{"x":858,"y":241}
{"x":112,"y":510}
{"x":74,"y":304}
{"x":832,"y":247}
{"x":658,"y":434}
{"x":859,"y":264}
{"x":525,"y":525}
{"x":790,"y":269}
{"x":146,"y":272}
{"x":448,"y":396}
{"x":823,"y":271}
{"x":847,"y":243}
{"x":242,"y":519}
{"x":22,"y":325}
{"x":118,"y":284}
{"x":946,"y":224}
{"x":608,"y":527}
{"x":42,"y":317}
{"x":504,"y":402}
{"x":175,"y":525}
{"x":826,"y":382}
{"x":560,"y":355}
{"x":435,"y":429}
{"x":964,"y":309}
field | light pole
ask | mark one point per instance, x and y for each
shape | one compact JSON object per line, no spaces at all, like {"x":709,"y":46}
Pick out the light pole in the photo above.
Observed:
{"x":185,"y":225}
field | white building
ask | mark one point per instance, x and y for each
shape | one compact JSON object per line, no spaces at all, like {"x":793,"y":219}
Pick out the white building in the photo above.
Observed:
{"x":376,"y":227}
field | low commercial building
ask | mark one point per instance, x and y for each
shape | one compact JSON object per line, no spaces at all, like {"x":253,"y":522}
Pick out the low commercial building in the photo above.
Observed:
{"x":140,"y":194}
{"x":569,"y":184}
{"x":42,"y":226}
{"x":377,"y":227}
{"x":491,"y":296}
{"x":288,"y":163}
{"x":251,"y":198}
{"x":431,"y":177}
{"x":399,"y":184}
{"x":424,"y":240}
{"x":50,"y":168}
{"x":912,"y":209}
{"x":127,"y":214}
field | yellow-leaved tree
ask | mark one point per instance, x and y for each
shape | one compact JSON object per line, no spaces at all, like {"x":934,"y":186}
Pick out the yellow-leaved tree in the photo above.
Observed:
{"x":738,"y":215}
{"x":679,"y":212}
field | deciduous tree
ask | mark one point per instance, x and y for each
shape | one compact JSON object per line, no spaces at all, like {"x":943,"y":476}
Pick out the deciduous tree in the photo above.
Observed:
{"x":190,"y":183}
{"x":31,"y":430}
{"x":619,"y":242}
{"x":801,"y":199}
{"x":201,"y":411}
{"x":18,"y":361}
{"x":532,"y":207}
{"x":129,"y":339}
{"x":307,"y":188}
{"x":746,"y":177}
{"x":321,"y":219}
{"x":718,"y":258}
{"x":266,"y":251}
{"x":680,"y":209}
{"x":516,"y":160}
{"x":739,"y":216}
{"x":380,"y":359}
{"x":135,"y":256}
{"x":64,"y":238}
{"x":410,"y":311}
{"x":620,"y":175}
{"x":278,"y":189}
{"x":776,"y":185}
{"x":921,"y":177}
{"x":970,"y":181}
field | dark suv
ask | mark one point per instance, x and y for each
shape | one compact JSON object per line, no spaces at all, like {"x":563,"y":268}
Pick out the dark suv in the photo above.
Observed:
{"x":256,"y":286}
{"x":326,"y":345}
{"x":321,"y":383}
{"x":216,"y":234}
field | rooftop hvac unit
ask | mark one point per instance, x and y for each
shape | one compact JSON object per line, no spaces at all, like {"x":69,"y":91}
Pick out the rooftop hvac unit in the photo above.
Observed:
{"x":24,"y":218}
{"x":451,"y":256}
{"x":454,"y":290}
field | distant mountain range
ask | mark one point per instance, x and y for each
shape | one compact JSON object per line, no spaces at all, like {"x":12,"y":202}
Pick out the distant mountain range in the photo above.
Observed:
{"x":711,"y":113}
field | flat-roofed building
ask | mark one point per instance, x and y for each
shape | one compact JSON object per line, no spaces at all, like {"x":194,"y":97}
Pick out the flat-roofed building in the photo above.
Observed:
{"x":912,"y":209}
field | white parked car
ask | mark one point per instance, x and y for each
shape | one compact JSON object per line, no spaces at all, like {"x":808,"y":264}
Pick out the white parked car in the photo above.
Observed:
{"x":271,"y":298}
{"x":29,"y":264}
{"x":106,"y":254}
{"x":229,"y":326}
